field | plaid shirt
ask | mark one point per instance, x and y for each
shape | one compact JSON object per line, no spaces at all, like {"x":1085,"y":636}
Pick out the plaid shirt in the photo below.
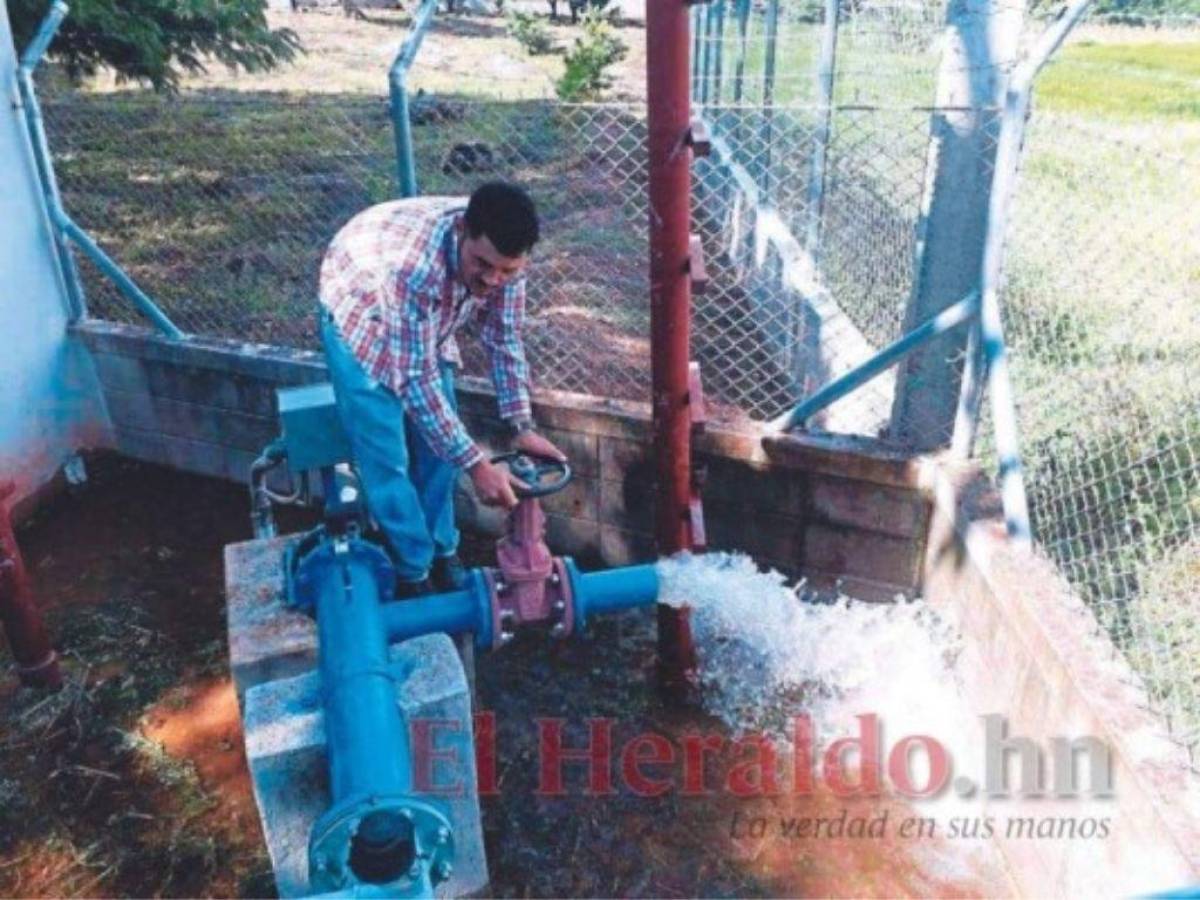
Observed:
{"x":389,"y":279}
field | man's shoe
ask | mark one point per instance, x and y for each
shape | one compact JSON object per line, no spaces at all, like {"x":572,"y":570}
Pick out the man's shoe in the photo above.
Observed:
{"x":448,"y":573}
{"x":407,"y":590}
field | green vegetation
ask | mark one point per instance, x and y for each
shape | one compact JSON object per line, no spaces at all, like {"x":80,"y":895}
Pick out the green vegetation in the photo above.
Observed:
{"x":530,"y":32}
{"x":1134,"y":12}
{"x":155,"y":41}
{"x":588,"y":62}
{"x":1151,"y":81}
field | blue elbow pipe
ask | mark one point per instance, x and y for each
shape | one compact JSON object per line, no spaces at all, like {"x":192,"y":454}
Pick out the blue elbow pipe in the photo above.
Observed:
{"x":377,"y":838}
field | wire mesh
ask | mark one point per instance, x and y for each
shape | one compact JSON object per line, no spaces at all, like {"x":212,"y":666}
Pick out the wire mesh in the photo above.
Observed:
{"x":218,"y":206}
{"x":1102,"y":309}
{"x":836,"y":146}
{"x":221,"y":204}
{"x":221,"y":209}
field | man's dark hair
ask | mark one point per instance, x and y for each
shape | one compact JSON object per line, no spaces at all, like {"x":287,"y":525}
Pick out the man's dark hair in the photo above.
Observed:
{"x":506,"y":214}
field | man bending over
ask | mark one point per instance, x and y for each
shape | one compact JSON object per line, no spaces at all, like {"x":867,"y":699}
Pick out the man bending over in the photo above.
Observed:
{"x":396,"y":283}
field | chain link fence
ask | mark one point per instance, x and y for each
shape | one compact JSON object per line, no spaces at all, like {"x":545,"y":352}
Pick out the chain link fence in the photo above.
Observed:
{"x":220,"y":207}
{"x":1102,"y":309}
{"x":810,"y":209}
{"x":823,"y":139}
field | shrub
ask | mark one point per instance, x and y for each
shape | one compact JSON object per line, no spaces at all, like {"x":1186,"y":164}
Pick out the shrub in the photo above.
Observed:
{"x":576,"y":6}
{"x":586,"y":64}
{"x":530,"y":32}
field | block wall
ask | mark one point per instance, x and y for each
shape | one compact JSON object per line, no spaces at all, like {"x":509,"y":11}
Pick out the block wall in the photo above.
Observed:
{"x":832,"y":508}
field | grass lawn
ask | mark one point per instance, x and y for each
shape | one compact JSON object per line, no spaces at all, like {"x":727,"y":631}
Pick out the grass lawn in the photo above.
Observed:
{"x":1125,"y":82}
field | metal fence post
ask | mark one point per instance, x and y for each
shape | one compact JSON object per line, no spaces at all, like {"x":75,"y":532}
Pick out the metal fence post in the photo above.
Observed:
{"x":43,"y":160}
{"x":770,"y":39}
{"x":668,"y":118}
{"x":406,"y":167}
{"x":739,"y":67}
{"x":982,"y":39}
{"x":987,"y":355}
{"x":719,"y":57}
{"x":706,"y":54}
{"x":825,"y":78}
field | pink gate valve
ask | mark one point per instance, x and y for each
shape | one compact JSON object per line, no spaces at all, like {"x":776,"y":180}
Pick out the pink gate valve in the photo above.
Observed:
{"x":530,"y":585}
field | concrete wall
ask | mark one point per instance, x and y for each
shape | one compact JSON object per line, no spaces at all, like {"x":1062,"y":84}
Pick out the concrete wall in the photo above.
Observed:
{"x":50,"y":403}
{"x":832,"y":508}
{"x":1034,"y":653}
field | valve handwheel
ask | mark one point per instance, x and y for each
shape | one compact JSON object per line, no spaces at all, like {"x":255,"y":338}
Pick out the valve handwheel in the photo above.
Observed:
{"x":534,"y":470}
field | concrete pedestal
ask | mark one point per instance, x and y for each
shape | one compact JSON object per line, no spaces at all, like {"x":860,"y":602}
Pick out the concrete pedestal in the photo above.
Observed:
{"x":273,"y":660}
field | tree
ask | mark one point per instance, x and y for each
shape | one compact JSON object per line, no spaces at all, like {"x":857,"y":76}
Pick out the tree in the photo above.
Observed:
{"x":156,"y":41}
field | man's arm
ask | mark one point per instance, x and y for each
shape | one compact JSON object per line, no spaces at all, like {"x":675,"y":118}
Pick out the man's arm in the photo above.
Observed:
{"x":412,"y":335}
{"x":501,"y":335}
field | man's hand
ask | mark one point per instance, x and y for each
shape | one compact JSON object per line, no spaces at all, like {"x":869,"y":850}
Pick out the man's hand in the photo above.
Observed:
{"x":493,"y":484}
{"x":535,"y":445}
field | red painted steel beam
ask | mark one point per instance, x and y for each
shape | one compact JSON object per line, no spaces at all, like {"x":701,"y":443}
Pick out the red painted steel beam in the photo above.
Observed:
{"x":37,"y":663}
{"x":668,"y":114}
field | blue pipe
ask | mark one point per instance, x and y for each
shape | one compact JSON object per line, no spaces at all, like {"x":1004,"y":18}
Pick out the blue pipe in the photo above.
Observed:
{"x":768,"y":98}
{"x":376,"y":838}
{"x":612,"y":590}
{"x":45,"y":34}
{"x":64,"y":227}
{"x":35,"y":125}
{"x":126,"y":284}
{"x":825,"y":85}
{"x":949,"y":318}
{"x":987,"y":355}
{"x":469,"y":610}
{"x":406,"y":170}
{"x":357,"y":682}
{"x":456,"y":612}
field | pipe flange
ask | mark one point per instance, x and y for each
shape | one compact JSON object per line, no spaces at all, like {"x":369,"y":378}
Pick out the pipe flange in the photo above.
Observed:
{"x":503,"y":620}
{"x":569,"y":573}
{"x":423,"y":849}
{"x":563,"y":605}
{"x":317,"y":550}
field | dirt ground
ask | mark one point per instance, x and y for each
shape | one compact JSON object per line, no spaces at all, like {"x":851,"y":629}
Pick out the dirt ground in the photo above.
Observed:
{"x":132,"y":781}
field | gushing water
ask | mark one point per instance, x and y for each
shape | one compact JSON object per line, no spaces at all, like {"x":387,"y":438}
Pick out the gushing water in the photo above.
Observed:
{"x":766,"y":655}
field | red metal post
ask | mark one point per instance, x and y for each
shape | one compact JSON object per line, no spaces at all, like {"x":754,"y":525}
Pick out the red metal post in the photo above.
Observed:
{"x":37,"y":663}
{"x":668,"y":115}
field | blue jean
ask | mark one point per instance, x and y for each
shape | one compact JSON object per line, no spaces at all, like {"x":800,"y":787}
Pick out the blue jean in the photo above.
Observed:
{"x":410,"y":490}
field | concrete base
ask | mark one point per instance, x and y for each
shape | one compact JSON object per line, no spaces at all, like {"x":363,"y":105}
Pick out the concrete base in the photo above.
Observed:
{"x":273,"y":660}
